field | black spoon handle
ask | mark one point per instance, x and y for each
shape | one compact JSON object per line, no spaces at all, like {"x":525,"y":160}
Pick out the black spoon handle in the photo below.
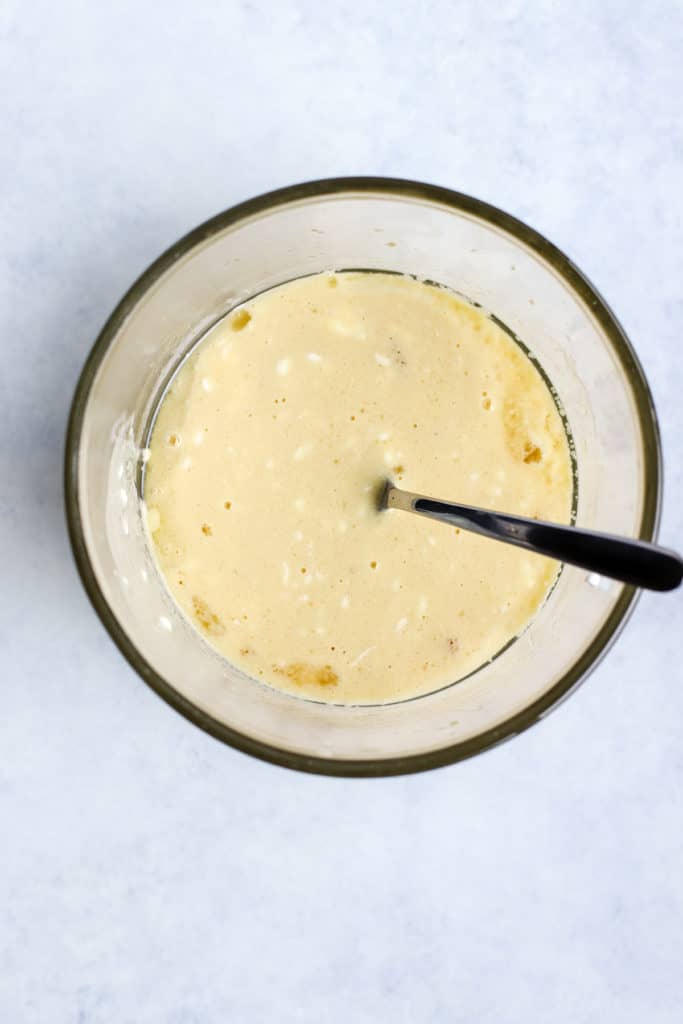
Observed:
{"x":632,"y":561}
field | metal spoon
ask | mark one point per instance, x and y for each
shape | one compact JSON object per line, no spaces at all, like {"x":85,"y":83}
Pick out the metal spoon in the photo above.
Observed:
{"x":631,"y":561}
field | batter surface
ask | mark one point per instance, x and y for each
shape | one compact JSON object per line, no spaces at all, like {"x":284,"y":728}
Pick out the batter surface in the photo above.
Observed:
{"x":265,"y":457}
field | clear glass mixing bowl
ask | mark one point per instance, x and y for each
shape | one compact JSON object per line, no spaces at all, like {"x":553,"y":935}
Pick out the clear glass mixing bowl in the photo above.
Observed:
{"x":360,"y":223}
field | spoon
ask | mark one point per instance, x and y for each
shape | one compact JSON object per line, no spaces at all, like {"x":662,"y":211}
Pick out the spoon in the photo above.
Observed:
{"x":631,"y":561}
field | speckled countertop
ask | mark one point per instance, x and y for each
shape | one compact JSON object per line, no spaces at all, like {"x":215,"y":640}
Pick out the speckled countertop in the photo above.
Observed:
{"x":148,"y":874}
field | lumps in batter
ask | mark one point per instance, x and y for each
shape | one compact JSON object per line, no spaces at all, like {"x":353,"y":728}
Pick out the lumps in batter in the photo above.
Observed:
{"x":265,"y":457}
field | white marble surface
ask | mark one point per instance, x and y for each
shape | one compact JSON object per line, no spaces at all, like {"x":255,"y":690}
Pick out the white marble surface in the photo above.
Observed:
{"x":149,"y":874}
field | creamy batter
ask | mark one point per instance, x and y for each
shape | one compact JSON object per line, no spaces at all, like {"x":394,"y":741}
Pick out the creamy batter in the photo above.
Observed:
{"x":265,"y":459}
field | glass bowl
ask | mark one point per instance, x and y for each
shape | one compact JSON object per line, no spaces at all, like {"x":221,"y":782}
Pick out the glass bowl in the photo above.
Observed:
{"x":340,"y":224}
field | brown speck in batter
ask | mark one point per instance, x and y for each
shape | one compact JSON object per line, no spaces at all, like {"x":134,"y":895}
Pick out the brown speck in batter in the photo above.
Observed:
{"x":240,"y":320}
{"x":207,"y":619}
{"x":302,"y":674}
{"x":206,"y":530}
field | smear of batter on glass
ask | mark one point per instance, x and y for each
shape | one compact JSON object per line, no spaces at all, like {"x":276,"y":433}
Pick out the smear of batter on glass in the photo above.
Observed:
{"x":265,"y":457}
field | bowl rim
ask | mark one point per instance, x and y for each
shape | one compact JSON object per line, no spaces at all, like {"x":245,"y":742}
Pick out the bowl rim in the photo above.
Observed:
{"x":652,"y":471}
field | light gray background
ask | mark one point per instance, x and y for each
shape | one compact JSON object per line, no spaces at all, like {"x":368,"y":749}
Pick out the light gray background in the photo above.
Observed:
{"x":149,"y":874}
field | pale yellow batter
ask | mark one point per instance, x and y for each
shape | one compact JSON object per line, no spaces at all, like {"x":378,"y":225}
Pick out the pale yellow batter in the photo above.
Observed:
{"x":264,"y":463}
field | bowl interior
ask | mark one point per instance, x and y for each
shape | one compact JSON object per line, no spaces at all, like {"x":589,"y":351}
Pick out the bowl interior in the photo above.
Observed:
{"x":359,"y":224}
